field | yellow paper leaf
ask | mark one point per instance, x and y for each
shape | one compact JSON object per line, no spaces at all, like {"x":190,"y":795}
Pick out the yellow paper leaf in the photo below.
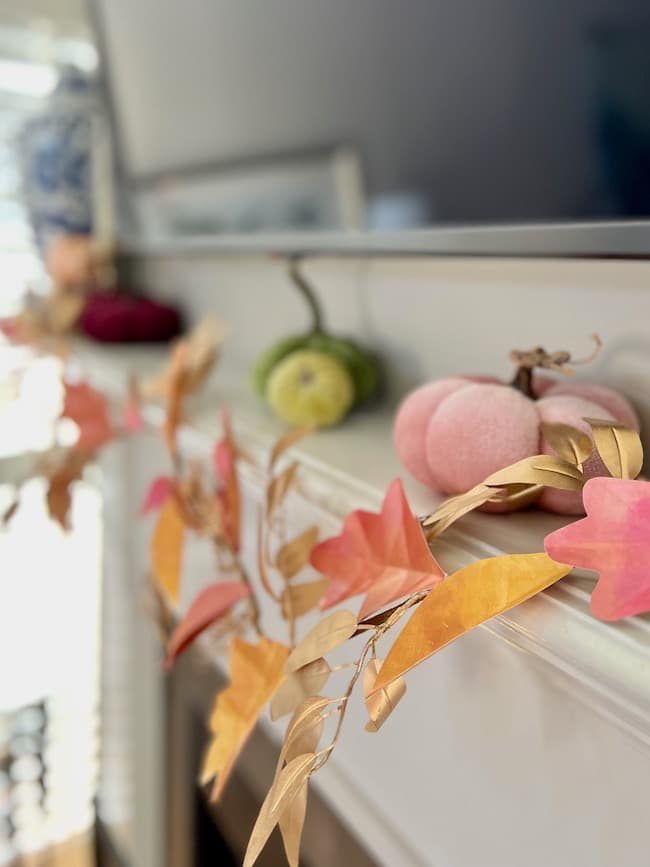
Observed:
{"x":255,"y":673}
{"x":465,"y":599}
{"x":619,"y":447}
{"x":278,"y":489}
{"x":571,"y":444}
{"x":285,"y":442}
{"x":325,"y":636}
{"x":288,"y":783}
{"x":294,"y":555}
{"x":167,"y":549}
{"x":298,"y":686}
{"x":539,"y":470}
{"x":382,"y":703}
{"x":298,"y":599}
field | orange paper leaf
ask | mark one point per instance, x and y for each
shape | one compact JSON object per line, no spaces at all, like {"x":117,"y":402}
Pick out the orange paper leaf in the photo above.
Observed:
{"x":88,"y":408}
{"x":167,"y":549}
{"x":225,"y":465}
{"x":208,"y":606}
{"x":466,"y":599}
{"x":255,"y":673}
{"x":384,"y":555}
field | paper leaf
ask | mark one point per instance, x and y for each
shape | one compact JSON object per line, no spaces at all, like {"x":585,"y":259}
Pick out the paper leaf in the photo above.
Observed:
{"x":325,"y":636}
{"x":59,"y":497}
{"x":255,"y":673}
{"x":466,"y":599}
{"x":298,"y":599}
{"x":384,"y":555}
{"x":619,"y":447}
{"x":279,"y":488}
{"x":455,"y":507}
{"x":299,"y":686}
{"x":225,"y":464}
{"x":305,"y":728}
{"x":286,"y":442}
{"x":380,"y":704}
{"x":88,"y":409}
{"x":539,"y":470}
{"x":294,"y":555}
{"x":174,"y":392}
{"x":208,"y":606}
{"x":571,"y":444}
{"x":614,"y":540}
{"x":159,"y":490}
{"x":291,"y":823}
{"x":286,"y":787}
{"x":167,"y":549}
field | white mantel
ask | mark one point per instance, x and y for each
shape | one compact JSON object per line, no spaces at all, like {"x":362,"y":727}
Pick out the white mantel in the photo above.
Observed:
{"x":523,"y":744}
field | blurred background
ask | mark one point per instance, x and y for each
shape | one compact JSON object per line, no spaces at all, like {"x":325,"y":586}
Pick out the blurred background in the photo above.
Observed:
{"x":124,"y":124}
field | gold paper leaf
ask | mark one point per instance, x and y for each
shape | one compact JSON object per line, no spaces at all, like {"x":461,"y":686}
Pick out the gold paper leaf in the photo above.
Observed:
{"x":571,"y":444}
{"x":454,"y":508}
{"x":167,"y":549}
{"x":464,"y":600}
{"x":261,"y":558}
{"x":539,"y":470}
{"x":298,"y":599}
{"x":285,"y":442}
{"x":619,"y":447}
{"x":382,"y":703}
{"x":291,"y":824}
{"x":294,"y":555}
{"x":305,"y":729}
{"x":278,"y":489}
{"x":299,"y":686}
{"x":255,"y":672}
{"x":285,"y":788}
{"x":325,"y":636}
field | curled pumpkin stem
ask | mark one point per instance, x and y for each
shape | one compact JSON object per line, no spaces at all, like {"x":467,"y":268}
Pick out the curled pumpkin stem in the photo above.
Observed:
{"x":527,"y":361}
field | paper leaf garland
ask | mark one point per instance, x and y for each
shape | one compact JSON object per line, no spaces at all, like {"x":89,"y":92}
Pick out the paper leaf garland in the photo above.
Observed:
{"x":208,"y":606}
{"x":568,"y":442}
{"x":294,"y":555}
{"x":614,"y":540}
{"x":384,"y":555}
{"x":286,"y":442}
{"x":298,"y":599}
{"x":466,"y":599}
{"x":88,"y":408}
{"x":159,"y":490}
{"x":298,"y":686}
{"x":325,"y":636}
{"x":167,"y":549}
{"x":539,"y":470}
{"x":255,"y":673}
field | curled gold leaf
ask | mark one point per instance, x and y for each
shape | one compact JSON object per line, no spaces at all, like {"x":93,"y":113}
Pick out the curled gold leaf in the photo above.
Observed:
{"x":305,"y":728}
{"x":278,"y":488}
{"x":325,"y":636}
{"x":285,"y":442}
{"x":571,"y":444}
{"x":291,"y":823}
{"x":619,"y":447}
{"x":293,"y":556}
{"x":382,"y":703}
{"x":285,"y":788}
{"x":298,"y":599}
{"x":299,"y":686}
{"x":454,"y":508}
{"x":539,"y":470}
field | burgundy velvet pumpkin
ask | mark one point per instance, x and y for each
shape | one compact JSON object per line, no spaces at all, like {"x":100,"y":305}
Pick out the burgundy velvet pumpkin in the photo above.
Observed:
{"x":115,"y":318}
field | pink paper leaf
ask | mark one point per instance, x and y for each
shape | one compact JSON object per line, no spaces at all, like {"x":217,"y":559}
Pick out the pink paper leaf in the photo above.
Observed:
{"x":208,"y":606}
{"x":614,"y":540}
{"x":384,"y":555}
{"x":159,"y":490}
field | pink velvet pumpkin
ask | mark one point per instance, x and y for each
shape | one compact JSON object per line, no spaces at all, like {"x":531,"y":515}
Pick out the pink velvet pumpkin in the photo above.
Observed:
{"x":452,"y":433}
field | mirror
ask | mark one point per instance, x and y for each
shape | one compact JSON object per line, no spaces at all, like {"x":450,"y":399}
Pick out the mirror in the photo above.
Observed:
{"x":287,"y":115}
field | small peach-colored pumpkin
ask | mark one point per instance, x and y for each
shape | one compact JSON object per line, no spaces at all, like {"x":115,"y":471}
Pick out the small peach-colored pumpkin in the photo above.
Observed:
{"x":452,"y":433}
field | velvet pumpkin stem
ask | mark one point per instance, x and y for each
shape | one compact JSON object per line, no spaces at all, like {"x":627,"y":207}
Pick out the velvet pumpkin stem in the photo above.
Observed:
{"x":538,"y":357}
{"x":307,"y":291}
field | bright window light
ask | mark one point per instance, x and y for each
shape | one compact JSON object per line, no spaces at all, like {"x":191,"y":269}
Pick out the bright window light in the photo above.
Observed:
{"x":29,"y":79}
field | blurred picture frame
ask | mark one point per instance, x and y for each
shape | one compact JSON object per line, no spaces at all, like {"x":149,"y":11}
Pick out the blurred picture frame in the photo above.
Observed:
{"x":317,"y":191}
